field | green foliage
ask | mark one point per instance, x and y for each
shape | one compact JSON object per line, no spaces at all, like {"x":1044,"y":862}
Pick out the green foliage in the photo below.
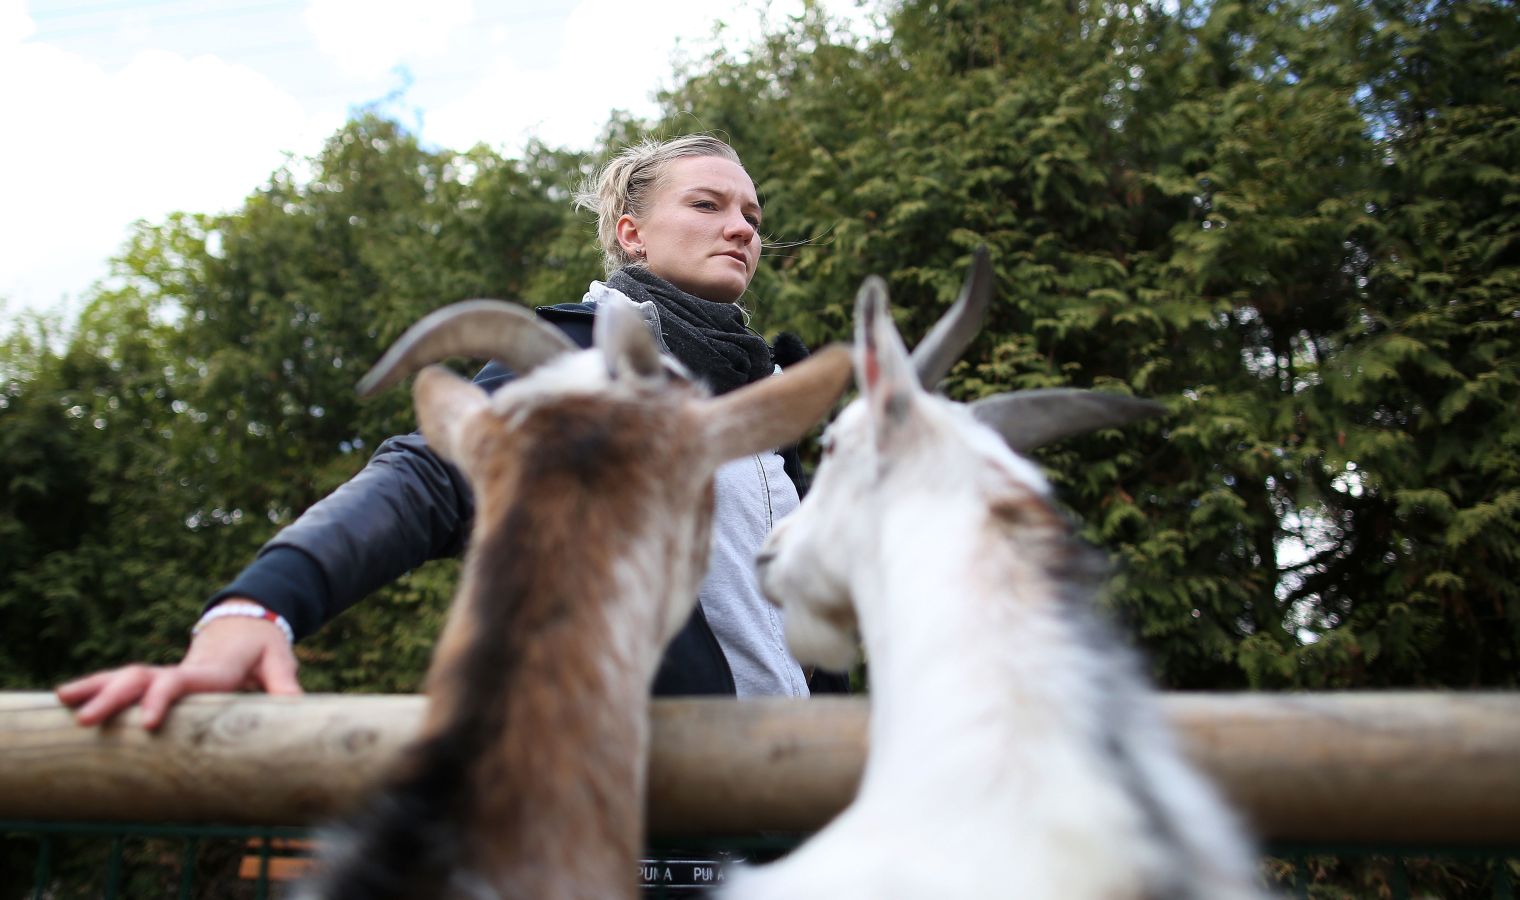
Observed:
{"x":1295,"y":222}
{"x":208,"y":399}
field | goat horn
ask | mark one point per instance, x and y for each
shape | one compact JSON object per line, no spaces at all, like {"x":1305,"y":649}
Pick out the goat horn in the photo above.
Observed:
{"x":486,"y":329}
{"x":1030,"y":419}
{"x":947,"y":340}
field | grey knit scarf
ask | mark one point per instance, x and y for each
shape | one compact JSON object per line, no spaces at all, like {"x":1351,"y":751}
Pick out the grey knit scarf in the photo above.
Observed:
{"x":710,"y":338}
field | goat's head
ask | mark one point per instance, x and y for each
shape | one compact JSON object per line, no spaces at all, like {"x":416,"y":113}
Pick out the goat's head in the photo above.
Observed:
{"x":899,"y":441}
{"x":619,"y":411}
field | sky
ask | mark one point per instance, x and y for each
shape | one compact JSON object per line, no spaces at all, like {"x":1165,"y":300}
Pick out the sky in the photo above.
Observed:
{"x":119,"y":110}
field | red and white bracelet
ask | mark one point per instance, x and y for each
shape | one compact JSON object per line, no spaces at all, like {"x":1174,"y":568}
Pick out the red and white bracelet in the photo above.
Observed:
{"x":247,"y":609}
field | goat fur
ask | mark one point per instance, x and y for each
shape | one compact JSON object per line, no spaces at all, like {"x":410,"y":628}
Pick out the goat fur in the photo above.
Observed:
{"x":593,"y":481}
{"x":1015,"y":748}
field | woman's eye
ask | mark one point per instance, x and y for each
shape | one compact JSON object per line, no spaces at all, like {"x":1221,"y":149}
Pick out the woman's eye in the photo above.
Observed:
{"x":754,"y":221}
{"x":705,"y":204}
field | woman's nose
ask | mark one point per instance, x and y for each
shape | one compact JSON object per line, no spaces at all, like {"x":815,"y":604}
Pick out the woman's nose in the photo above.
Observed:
{"x":740,"y":227}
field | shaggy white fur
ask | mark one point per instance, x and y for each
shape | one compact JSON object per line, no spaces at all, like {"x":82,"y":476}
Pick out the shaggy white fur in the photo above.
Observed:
{"x":1015,"y":748}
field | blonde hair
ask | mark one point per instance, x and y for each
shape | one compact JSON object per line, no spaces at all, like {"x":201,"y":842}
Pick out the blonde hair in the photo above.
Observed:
{"x":628,"y":181}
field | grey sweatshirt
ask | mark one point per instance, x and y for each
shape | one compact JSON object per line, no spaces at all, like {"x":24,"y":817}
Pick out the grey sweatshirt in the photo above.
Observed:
{"x":751,"y":496}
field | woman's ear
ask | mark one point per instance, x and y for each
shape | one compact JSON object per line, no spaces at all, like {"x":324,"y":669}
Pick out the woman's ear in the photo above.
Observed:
{"x":628,"y":236}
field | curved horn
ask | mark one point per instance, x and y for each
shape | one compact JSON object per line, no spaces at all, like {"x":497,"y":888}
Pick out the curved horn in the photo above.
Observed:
{"x":489,"y":329}
{"x":1030,"y":419}
{"x":947,"y":340}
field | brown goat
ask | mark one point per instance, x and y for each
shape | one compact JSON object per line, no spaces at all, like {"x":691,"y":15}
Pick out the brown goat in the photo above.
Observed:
{"x":593,"y":477}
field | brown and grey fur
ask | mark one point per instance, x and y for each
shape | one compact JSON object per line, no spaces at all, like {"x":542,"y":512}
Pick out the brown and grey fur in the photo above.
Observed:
{"x":594,"y":503}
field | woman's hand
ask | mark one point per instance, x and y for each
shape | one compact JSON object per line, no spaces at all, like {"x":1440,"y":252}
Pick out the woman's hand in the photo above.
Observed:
{"x":230,"y":654}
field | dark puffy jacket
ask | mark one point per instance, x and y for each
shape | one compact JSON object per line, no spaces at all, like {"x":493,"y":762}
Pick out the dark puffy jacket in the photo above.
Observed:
{"x":408,"y":506}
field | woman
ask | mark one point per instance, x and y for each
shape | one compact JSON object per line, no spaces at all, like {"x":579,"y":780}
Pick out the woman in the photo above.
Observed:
{"x":678,"y":222}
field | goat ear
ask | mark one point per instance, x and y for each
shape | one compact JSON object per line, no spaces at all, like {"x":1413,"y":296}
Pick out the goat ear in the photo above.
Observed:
{"x":622,"y":335}
{"x":445,"y":402}
{"x":776,"y":411}
{"x":1030,"y":419}
{"x":883,"y":369}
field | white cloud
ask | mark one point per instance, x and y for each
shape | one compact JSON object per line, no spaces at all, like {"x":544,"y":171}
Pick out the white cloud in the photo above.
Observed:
{"x":92,"y":149}
{"x":15,"y":25}
{"x":613,"y":55}
{"x":369,"y":37}
{"x":127,"y":132}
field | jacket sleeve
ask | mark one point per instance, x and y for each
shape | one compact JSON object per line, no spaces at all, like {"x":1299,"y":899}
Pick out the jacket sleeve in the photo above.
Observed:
{"x":405,"y":507}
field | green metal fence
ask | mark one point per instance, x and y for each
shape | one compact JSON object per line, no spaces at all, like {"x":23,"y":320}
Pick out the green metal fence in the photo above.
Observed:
{"x":130,"y":860}
{"x":67,"y":860}
{"x":1393,"y":872}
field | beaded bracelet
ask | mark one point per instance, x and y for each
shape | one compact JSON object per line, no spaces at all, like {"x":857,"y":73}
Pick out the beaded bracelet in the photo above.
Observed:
{"x":243,"y":608}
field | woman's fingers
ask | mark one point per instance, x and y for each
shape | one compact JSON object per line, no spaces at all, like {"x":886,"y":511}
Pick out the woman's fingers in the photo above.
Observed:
{"x":107,"y":693}
{"x":170,"y":684}
{"x":160,"y":694}
{"x":277,"y":671}
{"x":229,"y":655}
{"x":75,"y":692}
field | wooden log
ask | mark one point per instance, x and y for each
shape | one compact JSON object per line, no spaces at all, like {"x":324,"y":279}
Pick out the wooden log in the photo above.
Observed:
{"x":233,"y":758}
{"x":1362,"y":767}
{"x":1385,"y":767}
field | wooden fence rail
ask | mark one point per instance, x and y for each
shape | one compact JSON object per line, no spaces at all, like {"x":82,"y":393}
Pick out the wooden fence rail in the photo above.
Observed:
{"x":1379,"y":767}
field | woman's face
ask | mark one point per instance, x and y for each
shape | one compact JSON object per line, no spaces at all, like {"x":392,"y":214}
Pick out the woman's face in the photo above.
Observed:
{"x":701,"y":229}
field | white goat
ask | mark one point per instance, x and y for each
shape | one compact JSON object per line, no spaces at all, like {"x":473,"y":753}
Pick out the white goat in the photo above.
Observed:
{"x":1015,"y":750}
{"x":593,"y":481}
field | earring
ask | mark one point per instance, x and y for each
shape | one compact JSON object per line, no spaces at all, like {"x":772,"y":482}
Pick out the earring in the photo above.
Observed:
{"x":639,"y":253}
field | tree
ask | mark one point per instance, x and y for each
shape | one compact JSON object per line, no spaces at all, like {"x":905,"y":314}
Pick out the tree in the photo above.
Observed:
{"x":1199,"y":204}
{"x":1294,"y":221}
{"x":218,"y":403}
